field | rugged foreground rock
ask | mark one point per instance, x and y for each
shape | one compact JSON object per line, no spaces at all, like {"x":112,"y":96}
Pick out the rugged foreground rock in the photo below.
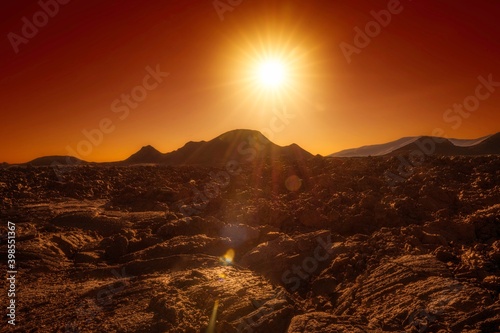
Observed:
{"x":331,"y":245}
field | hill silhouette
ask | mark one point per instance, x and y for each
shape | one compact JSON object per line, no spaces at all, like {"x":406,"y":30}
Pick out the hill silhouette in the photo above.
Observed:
{"x":445,"y":147}
{"x":147,"y":154}
{"x":56,"y":159}
{"x":488,"y":145}
{"x":241,"y":145}
{"x":250,"y":146}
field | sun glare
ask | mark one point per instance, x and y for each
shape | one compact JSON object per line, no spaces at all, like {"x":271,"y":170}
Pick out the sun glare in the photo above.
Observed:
{"x":269,"y":68}
{"x":271,"y":73}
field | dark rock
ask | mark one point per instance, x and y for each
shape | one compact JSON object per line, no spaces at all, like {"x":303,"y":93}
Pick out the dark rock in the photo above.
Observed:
{"x":443,"y":254}
{"x":117,"y":248}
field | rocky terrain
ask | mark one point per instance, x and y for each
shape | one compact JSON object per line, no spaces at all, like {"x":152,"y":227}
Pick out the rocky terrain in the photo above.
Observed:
{"x":311,"y":245}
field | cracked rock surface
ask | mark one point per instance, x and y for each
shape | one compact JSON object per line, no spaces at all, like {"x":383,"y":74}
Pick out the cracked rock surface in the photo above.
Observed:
{"x":331,"y":245}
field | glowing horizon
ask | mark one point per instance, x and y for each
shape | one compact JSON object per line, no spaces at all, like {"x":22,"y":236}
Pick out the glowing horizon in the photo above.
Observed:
{"x":169,"y":73}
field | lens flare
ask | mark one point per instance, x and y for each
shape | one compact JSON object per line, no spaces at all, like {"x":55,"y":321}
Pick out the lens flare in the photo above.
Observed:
{"x":293,"y":183}
{"x":228,"y":257}
{"x":213,"y":318}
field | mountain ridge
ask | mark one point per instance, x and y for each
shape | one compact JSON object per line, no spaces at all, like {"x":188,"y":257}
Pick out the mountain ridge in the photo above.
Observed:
{"x":245,"y":145}
{"x":489,"y":144}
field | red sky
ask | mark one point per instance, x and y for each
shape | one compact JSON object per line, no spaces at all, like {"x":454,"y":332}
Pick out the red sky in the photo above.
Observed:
{"x":65,"y":78}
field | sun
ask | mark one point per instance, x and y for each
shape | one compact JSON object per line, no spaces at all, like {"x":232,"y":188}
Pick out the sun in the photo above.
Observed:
{"x":269,"y":69}
{"x":271,"y":73}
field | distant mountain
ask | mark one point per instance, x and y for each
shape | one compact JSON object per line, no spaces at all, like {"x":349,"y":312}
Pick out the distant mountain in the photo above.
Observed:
{"x":490,"y":145}
{"x":468,"y":142}
{"x":60,"y":160}
{"x":249,"y":146}
{"x":242,"y":146}
{"x":429,"y":145}
{"x":433,"y":145}
{"x":375,"y":150}
{"x":146,"y":154}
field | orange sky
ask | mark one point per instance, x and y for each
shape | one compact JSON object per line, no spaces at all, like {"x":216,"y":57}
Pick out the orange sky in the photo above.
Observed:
{"x":69,"y":77}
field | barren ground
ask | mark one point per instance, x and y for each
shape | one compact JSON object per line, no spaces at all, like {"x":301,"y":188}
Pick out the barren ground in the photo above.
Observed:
{"x":327,"y":246}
